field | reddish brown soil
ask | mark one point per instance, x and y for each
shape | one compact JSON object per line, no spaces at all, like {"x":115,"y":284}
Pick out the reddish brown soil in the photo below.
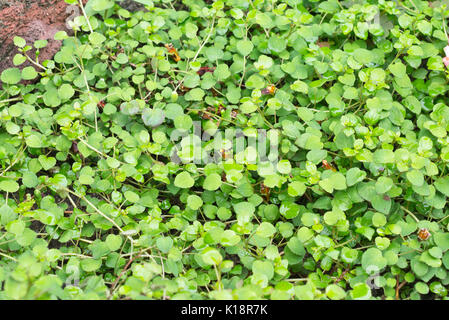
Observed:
{"x":32,"y":20}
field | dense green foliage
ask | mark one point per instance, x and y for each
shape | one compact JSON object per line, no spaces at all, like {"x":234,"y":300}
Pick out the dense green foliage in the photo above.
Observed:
{"x":92,"y":207}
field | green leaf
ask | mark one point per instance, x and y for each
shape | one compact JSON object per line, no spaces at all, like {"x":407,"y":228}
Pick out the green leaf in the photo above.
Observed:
{"x":335,"y":292}
{"x":296,"y":188}
{"x":102,"y":5}
{"x":196,"y":94}
{"x":222,"y":72}
{"x":39,"y":44}
{"x":336,"y":181}
{"x":131,"y":196}
{"x":347,"y":79}
{"x":398,"y":69}
{"x":19,"y":59}
{"x":47,"y":162}
{"x":277,"y":44}
{"x":194,"y":202}
{"x":184,"y":180}
{"x":289,"y":210}
{"x":422,"y":288}
{"x":191,"y":30}
{"x":90,"y":265}
{"x":19,"y":42}
{"x":264,"y":268}
{"x":153,"y":117}
{"x":244,"y":47}
{"x":164,"y":244}
{"x":145,"y":2}
{"x":244,"y":211}
{"x":413,"y":104}
{"x":255,"y":81}
{"x":361,"y":291}
{"x":284,"y":166}
{"x":383,"y":156}
{"x":9,"y":186}
{"x":425,"y":27}
{"x":383,"y":185}
{"x":442,"y":240}
{"x":265,"y":229}
{"x":415,"y":177}
{"x":354,"y":175}
{"x":349,"y":255}
{"x":183,"y":122}
{"x":378,"y":219}
{"x":114,"y":242}
{"x":122,"y":58}
{"x":380,"y":203}
{"x":29,"y":73}
{"x":212,"y":182}
{"x":296,"y":246}
{"x":211,"y":256}
{"x":66,"y":91}
{"x":442,"y":185}
{"x":429,"y":260}
{"x":96,"y":38}
{"x":373,"y":261}
{"x":29,"y":179}
{"x":11,"y":76}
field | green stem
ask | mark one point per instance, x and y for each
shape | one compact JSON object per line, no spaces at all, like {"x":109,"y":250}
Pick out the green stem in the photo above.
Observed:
{"x":11,"y":100}
{"x":85,"y":16}
{"x":410,"y":213}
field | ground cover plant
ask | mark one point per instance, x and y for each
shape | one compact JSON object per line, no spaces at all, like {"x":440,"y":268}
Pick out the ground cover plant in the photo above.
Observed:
{"x":100,"y":196}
